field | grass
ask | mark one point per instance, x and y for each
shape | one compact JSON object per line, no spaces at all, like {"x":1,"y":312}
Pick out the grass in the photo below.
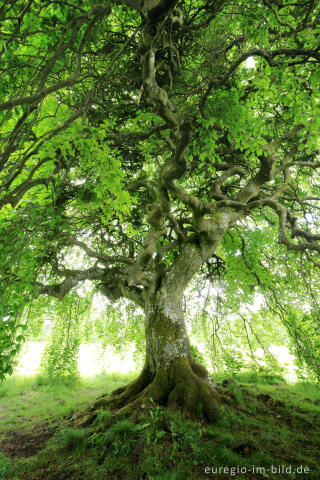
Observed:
{"x":266,"y":424}
{"x":73,"y":439}
{"x":25,"y":401}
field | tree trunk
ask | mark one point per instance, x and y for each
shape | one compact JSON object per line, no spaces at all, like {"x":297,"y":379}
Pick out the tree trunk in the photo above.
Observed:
{"x":179,"y":382}
{"x":170,"y":376}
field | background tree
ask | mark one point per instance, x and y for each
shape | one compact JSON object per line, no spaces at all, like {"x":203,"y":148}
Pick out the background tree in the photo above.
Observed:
{"x":135,"y":132}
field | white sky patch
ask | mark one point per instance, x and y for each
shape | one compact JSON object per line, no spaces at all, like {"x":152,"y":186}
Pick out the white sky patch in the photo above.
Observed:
{"x":30,"y":357}
{"x":91,"y":360}
{"x":250,"y":62}
{"x":286,"y":359}
{"x":258,"y":302}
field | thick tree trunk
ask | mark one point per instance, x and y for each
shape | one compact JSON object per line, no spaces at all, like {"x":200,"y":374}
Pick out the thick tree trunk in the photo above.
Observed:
{"x":178,"y":381}
{"x":170,"y":376}
{"x":166,"y":336}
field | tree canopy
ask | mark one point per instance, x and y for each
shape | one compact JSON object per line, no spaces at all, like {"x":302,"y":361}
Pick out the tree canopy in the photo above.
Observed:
{"x":146,"y":142}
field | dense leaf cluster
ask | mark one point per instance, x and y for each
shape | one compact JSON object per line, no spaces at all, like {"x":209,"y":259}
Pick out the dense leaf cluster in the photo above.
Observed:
{"x":132,"y":129}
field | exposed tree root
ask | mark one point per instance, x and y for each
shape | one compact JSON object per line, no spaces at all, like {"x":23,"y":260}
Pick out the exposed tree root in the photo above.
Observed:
{"x":184,"y":386}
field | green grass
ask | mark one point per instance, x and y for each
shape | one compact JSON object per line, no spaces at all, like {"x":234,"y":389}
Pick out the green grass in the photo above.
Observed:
{"x":265,"y":423}
{"x":73,"y":439}
{"x":25,"y":401}
{"x":253,"y":377}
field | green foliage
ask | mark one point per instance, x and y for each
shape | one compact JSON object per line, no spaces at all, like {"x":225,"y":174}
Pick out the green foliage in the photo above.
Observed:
{"x":120,"y":437}
{"x":18,"y":269}
{"x":73,"y":439}
{"x":6,"y":470}
{"x":103,"y":416}
{"x":60,"y":357}
{"x":104,"y":174}
{"x":283,"y":289}
{"x":197,"y":355}
{"x":119,"y":326}
{"x":185,"y":435}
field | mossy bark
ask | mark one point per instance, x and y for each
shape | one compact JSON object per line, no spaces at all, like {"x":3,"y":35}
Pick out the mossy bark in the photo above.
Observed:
{"x":170,"y":376}
{"x":183,"y":386}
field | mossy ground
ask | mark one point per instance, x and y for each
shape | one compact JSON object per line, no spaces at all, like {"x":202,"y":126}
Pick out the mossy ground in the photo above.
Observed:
{"x":266,"y":423}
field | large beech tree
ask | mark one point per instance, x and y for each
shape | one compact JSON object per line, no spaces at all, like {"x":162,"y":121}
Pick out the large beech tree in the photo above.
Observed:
{"x":140,"y":132}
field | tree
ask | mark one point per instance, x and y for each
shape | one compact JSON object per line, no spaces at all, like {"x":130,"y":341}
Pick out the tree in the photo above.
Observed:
{"x":142,"y":134}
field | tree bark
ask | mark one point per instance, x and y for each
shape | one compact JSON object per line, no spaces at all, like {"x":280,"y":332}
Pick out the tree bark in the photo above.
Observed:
{"x":170,"y":377}
{"x":178,"y":381}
